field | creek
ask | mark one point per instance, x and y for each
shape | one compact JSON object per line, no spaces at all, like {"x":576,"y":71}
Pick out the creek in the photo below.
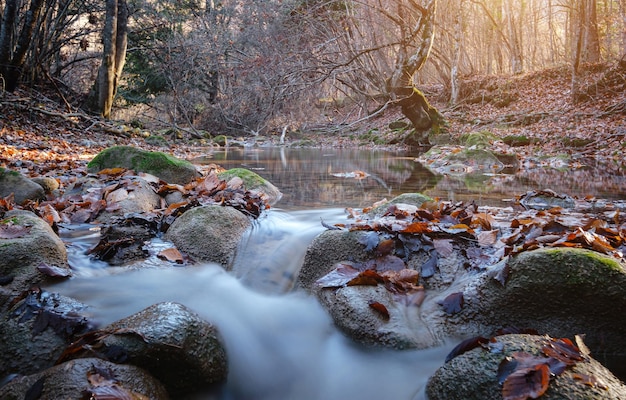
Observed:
{"x":280,"y":343}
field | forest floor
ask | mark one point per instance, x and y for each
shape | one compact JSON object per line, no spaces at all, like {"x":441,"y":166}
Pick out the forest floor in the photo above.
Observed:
{"x":529,"y":115}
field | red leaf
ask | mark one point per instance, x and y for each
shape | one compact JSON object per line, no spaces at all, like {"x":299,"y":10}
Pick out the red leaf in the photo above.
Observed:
{"x":381,"y":309}
{"x":368,"y":277}
{"x":524,"y":383}
{"x":563,"y":350}
{"x":590,"y":380}
{"x":416,"y":227}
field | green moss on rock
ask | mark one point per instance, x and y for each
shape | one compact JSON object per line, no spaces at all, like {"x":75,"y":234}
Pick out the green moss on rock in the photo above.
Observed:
{"x":165,"y":166}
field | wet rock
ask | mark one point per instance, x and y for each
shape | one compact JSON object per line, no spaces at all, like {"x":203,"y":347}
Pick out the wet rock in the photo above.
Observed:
{"x":36,"y":327}
{"x":327,"y":249}
{"x":121,"y":244}
{"x":35,"y":249}
{"x":251,"y":181}
{"x":165,"y":166}
{"x":174,"y":344}
{"x":546,"y":199}
{"x":209,"y":233}
{"x":414,"y":200}
{"x":475,"y":374}
{"x":86,"y":379}
{"x":460,"y":161}
{"x":23,"y":189}
{"x":400,"y":326}
{"x":134,"y":197}
{"x":560,"y":292}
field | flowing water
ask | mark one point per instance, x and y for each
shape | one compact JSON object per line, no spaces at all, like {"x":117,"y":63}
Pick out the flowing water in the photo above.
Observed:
{"x":281,"y":344}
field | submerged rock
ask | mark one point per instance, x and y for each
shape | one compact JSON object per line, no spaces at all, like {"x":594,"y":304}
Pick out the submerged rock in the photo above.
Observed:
{"x":22,"y":188}
{"x":480,"y":373}
{"x":87,"y":378}
{"x":165,"y":166}
{"x":209,"y":233}
{"x":174,"y":344}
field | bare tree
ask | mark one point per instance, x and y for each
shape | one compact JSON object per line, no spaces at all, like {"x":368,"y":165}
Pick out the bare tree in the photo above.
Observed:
{"x":13,"y":49}
{"x":114,"y":38}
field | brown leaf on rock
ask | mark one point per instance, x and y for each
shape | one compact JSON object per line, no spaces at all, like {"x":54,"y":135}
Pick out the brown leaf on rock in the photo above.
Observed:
{"x":443,"y":246}
{"x":416,"y":227}
{"x":465,"y":346}
{"x":171,"y":254}
{"x":53,"y":270}
{"x":340,"y":276}
{"x":380,"y":309}
{"x":368,"y":277}
{"x":8,"y":230}
{"x":563,"y":350}
{"x":590,"y":380}
{"x":523,"y":383}
{"x":453,"y":303}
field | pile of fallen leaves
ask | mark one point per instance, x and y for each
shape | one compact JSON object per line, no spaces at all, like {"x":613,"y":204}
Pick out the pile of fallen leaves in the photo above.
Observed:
{"x":524,"y":375}
{"x":483,"y":235}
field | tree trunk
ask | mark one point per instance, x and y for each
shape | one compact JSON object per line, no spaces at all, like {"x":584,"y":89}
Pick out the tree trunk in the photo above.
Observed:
{"x":591,"y":38}
{"x":114,"y":37}
{"x":13,"y":55}
{"x":456,"y":59}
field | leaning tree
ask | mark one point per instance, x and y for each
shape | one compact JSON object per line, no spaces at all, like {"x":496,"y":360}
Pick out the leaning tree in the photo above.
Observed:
{"x":372,"y":51}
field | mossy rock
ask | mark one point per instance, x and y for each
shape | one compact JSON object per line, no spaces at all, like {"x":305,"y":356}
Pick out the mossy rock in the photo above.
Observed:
{"x":475,"y":374}
{"x":560,"y":292}
{"x":220,"y":140}
{"x":164,"y":166}
{"x":157,"y":140}
{"x":517,"y":140}
{"x":478,"y":139}
{"x":254,"y":183}
{"x":22,"y":188}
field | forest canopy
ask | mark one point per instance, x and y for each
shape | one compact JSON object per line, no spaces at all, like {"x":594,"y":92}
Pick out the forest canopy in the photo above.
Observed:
{"x":249,"y":67}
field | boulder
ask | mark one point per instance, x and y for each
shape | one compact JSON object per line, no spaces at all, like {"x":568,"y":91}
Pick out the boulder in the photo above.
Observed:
{"x":557,"y":291}
{"x":481,"y":373}
{"x":165,"y":166}
{"x":22,"y":188}
{"x":36,"y":327}
{"x":252,"y":182}
{"x":326,"y":250}
{"x":87,"y":378}
{"x":174,"y":344}
{"x":209,"y":233}
{"x":30,"y":251}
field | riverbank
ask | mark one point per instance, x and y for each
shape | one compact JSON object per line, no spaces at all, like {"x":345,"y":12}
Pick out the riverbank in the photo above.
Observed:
{"x":530,"y":115}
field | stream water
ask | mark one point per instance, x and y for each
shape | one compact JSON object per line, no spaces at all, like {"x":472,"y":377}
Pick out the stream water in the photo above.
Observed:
{"x":281,"y":344}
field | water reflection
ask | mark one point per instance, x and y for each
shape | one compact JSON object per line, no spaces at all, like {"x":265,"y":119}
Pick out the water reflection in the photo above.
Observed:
{"x":306,"y":177}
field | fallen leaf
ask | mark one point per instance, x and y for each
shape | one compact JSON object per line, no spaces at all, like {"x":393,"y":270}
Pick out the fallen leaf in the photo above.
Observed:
{"x":487,"y":238}
{"x":340,"y":276}
{"x":53,"y":270}
{"x":8,"y":230}
{"x":590,"y":380}
{"x":443,"y":246}
{"x":453,"y":303}
{"x":465,"y":346}
{"x":381,"y":309}
{"x":524,"y":383}
{"x":171,"y":254}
